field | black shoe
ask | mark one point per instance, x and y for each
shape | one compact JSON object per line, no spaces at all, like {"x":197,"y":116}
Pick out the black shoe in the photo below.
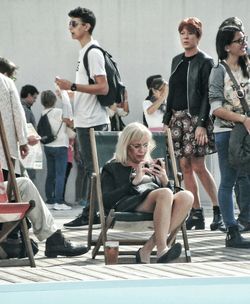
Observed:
{"x":82,"y":222}
{"x":138,"y":257}
{"x":56,"y":245}
{"x":195,"y":219}
{"x":15,"y":248}
{"x":217,"y":219}
{"x":173,"y":253}
{"x":234,"y":238}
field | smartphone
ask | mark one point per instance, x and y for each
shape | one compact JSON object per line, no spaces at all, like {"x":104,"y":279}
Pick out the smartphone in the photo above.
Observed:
{"x":158,"y":162}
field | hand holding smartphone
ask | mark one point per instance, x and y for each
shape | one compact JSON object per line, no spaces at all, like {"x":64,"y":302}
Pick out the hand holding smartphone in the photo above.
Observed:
{"x":159,"y":163}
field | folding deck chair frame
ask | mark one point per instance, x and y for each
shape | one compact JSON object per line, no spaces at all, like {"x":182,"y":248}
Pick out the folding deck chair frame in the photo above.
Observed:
{"x":96,"y":195}
{"x":13,"y":213}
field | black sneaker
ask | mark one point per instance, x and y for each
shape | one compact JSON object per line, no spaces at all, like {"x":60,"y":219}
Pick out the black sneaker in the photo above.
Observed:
{"x":82,"y":222}
{"x":56,"y":245}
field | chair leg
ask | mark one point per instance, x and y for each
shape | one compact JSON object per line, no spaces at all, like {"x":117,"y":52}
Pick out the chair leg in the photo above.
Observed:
{"x":91,"y":211}
{"x":27,"y":242}
{"x":102,"y":236}
{"x":6,"y":229}
{"x":185,"y":241}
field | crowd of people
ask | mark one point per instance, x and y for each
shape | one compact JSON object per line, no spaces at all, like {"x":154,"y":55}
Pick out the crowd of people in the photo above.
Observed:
{"x":198,"y":104}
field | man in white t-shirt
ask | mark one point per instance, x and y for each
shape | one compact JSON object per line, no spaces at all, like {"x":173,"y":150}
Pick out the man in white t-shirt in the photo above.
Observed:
{"x":88,"y":112}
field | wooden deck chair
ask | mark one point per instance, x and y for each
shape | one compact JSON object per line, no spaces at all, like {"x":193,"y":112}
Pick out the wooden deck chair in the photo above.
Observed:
{"x":13,"y":212}
{"x":103,"y":147}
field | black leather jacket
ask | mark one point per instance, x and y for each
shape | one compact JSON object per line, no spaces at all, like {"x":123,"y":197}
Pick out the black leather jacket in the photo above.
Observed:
{"x":197,"y":87}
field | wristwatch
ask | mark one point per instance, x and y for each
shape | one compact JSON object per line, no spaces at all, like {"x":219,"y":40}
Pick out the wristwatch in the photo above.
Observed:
{"x":73,"y":87}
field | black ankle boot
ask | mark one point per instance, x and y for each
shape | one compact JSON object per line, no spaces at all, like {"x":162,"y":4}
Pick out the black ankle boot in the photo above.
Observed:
{"x":217,"y":219}
{"x":234,"y":238}
{"x":195,"y":219}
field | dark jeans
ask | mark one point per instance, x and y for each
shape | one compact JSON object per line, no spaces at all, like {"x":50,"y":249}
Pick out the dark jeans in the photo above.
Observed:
{"x":85,"y":150}
{"x":81,"y":183}
{"x":228,"y":179}
{"x":68,"y":169}
{"x":56,"y":169}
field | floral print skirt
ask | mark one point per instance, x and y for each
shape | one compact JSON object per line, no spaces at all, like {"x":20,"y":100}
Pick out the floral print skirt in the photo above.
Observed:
{"x":183,"y":126}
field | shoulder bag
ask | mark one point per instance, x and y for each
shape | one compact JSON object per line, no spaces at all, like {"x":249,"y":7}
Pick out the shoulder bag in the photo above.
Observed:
{"x":239,"y":143}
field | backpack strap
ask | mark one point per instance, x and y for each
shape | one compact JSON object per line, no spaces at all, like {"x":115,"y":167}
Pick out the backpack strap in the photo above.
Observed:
{"x":86,"y":62}
{"x":60,"y":124}
{"x":59,"y":128}
{"x":48,"y":112}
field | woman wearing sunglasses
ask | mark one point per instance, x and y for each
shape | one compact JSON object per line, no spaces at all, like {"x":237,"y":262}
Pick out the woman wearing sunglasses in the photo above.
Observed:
{"x":133,"y":168}
{"x":231,"y":47}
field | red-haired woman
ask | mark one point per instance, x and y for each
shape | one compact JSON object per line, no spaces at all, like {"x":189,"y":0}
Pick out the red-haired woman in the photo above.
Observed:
{"x":187,"y":115}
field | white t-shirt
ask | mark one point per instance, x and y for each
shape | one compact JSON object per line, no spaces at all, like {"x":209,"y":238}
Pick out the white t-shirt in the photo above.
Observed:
{"x":154,"y":120}
{"x":88,"y":111}
{"x":55,"y":120}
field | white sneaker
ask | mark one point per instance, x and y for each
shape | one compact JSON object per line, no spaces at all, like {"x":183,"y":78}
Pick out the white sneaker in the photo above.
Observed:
{"x":50,"y":206}
{"x":61,"y":207}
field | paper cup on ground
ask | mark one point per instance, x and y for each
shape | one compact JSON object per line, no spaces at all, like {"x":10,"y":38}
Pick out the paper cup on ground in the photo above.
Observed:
{"x":111,"y":252}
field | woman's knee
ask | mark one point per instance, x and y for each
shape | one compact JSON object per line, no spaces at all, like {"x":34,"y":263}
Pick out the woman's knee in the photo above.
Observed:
{"x":164,"y":194}
{"x":185,"y":197}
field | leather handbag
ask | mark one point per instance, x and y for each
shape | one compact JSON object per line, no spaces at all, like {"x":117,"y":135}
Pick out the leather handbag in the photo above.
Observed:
{"x":239,"y":143}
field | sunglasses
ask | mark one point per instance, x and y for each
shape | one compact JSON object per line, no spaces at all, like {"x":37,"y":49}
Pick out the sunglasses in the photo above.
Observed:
{"x":241,"y":41}
{"x":74,"y":23}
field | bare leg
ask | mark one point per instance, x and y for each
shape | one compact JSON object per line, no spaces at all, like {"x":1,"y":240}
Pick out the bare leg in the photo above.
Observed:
{"x":190,"y":180}
{"x":207,"y":180}
{"x":183,"y":202}
{"x":163,"y":223}
{"x":160,"y":203}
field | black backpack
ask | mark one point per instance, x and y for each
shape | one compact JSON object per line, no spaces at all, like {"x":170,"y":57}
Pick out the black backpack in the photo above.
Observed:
{"x":116,"y":87}
{"x":45,"y":131}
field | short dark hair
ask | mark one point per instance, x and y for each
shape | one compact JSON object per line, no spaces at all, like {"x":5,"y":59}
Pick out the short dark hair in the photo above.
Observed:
{"x":157,"y":83}
{"x":7,"y":67}
{"x":86,"y":15}
{"x":192,"y":24}
{"x":150,"y":80}
{"x":48,"y":99}
{"x":28,"y":89}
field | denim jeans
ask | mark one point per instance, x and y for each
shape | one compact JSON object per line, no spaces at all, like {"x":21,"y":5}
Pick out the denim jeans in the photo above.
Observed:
{"x":56,"y":170}
{"x":228,"y":179}
{"x":85,"y":150}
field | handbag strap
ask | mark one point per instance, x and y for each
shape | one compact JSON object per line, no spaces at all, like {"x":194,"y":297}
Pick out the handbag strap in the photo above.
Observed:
{"x":242,"y":98}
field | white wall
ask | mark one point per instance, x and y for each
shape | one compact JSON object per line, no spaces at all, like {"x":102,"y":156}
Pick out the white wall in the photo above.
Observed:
{"x":140,"y":34}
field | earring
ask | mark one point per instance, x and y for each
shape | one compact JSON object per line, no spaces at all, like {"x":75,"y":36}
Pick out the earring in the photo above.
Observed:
{"x":228,"y":50}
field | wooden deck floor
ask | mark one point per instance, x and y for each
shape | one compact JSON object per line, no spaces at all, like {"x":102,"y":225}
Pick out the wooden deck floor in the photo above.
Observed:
{"x":210,"y":258}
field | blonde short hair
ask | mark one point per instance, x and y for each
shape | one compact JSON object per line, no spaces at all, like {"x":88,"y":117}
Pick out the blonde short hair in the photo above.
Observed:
{"x":133,"y":132}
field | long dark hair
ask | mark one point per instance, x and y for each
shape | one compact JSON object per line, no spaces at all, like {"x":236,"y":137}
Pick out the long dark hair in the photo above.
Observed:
{"x":224,"y":37}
